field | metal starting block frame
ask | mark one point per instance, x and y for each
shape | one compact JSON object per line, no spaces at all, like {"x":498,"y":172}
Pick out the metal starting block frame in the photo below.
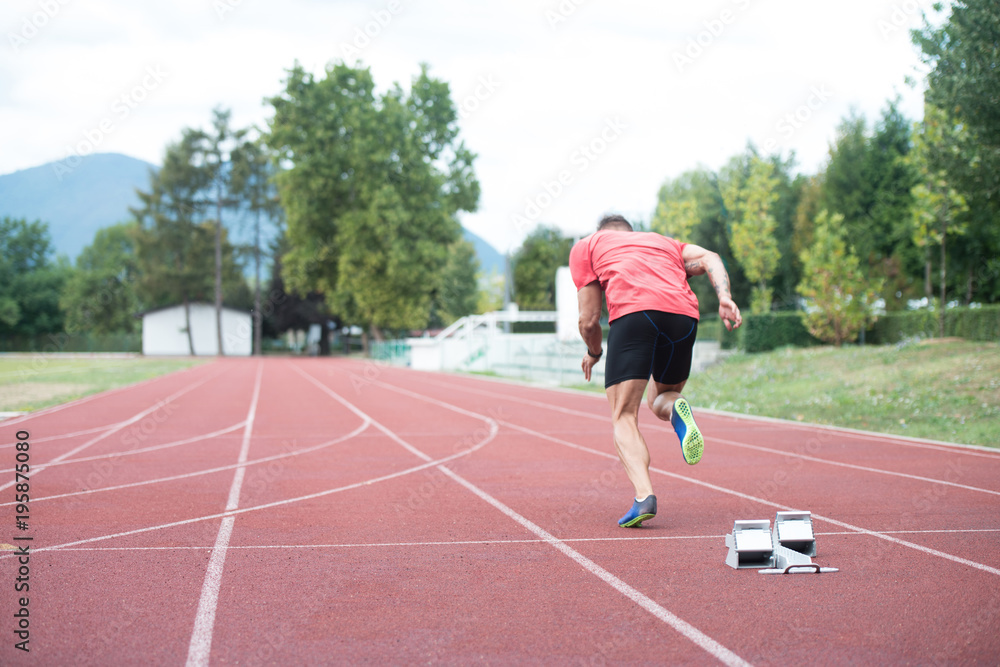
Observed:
{"x":788,"y":548}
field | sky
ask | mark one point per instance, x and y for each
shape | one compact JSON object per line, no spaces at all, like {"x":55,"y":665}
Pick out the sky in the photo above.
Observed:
{"x":575,"y":108}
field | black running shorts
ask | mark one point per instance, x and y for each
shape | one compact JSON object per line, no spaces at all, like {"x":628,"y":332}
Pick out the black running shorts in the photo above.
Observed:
{"x":650,"y":344}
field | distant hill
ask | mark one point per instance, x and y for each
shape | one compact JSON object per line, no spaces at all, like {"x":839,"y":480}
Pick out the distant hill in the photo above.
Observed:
{"x":97,"y":193}
{"x":75,"y":202}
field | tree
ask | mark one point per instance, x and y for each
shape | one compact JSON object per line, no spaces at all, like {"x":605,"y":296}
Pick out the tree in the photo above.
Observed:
{"x":535,"y":264}
{"x":252,"y":181}
{"x":458,"y":294}
{"x":748,"y":190}
{"x":677,"y":213}
{"x":964,"y":84}
{"x":174,"y":247}
{"x":215,"y":157}
{"x":839,"y":299}
{"x":709,"y":229}
{"x":30,"y":281}
{"x":937,"y":207}
{"x":371,"y":191}
{"x":100,"y":296}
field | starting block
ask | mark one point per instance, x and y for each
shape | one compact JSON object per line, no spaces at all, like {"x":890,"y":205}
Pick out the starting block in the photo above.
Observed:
{"x":786,"y":549}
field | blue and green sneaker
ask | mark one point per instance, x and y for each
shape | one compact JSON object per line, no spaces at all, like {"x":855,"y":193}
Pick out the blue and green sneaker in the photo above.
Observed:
{"x":682,"y":420}
{"x":641,"y":510}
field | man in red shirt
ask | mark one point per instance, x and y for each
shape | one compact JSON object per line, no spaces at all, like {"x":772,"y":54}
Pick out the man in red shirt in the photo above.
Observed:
{"x":654,"y":321}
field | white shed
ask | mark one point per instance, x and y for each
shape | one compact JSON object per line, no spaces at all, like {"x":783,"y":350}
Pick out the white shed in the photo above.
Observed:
{"x":164,"y":331}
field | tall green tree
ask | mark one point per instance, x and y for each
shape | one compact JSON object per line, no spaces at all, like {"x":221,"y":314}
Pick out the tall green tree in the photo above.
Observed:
{"x":938,"y":209}
{"x":215,"y":157}
{"x":458,"y":294}
{"x":710,"y":229}
{"x":868,"y":180}
{"x":837,"y":291}
{"x":677,"y":213}
{"x":534,"y":268}
{"x":30,"y":279}
{"x":174,"y":246}
{"x":252,"y":182}
{"x":748,"y":190}
{"x":100,"y":295}
{"x":964,"y":84}
{"x":371,"y":191}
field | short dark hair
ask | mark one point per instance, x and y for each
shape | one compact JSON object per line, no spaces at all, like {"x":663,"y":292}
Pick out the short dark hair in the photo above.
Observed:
{"x":614,"y":222}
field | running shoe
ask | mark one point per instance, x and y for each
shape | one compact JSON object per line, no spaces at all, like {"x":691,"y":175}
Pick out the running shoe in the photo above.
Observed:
{"x":641,"y":510}
{"x":682,"y":420}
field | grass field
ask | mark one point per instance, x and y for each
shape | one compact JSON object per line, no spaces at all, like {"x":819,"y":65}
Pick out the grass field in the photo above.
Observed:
{"x":33,"y":382}
{"x":943,"y":390}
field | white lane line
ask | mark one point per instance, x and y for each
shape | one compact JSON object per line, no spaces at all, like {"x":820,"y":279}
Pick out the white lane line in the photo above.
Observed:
{"x":208,"y":471}
{"x":148,"y":411}
{"x":665,"y":429}
{"x":144,"y":450}
{"x":474,"y":447}
{"x":785,"y":508}
{"x":879,"y":471}
{"x":700,"y":639}
{"x":884,"y":438}
{"x":204,"y":621}
{"x":692,"y":633}
{"x":460,"y":543}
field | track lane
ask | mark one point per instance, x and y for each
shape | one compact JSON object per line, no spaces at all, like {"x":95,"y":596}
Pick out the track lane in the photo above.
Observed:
{"x":475,"y":587}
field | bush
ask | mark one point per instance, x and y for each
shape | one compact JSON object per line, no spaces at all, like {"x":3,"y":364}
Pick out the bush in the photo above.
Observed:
{"x":769,"y":331}
{"x":62,"y":342}
{"x":979,"y":324}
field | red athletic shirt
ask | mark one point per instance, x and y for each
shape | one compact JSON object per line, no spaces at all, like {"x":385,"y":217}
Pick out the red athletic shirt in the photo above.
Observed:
{"x":637,"y":271}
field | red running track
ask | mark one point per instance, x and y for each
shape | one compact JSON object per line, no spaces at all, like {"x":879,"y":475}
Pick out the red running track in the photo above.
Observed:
{"x":292,"y":511}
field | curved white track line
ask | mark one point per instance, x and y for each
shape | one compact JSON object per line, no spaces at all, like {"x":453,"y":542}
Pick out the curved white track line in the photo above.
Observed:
{"x":784,"y":508}
{"x":666,"y":429}
{"x":490,"y":436}
{"x":36,"y":470}
{"x":329,"y":443}
{"x":144,"y":450}
{"x":693,"y":634}
{"x":814,"y":459}
{"x":64,"y":436}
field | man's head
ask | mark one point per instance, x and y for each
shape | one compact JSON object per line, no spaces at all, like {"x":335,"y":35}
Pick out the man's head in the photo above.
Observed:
{"x":615,"y":223}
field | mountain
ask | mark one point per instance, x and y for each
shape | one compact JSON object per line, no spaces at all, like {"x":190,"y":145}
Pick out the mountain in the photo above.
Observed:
{"x":75,"y":202}
{"x":97,"y":192}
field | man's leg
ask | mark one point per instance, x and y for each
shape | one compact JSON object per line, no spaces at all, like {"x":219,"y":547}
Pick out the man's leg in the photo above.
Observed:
{"x":662,"y":399}
{"x":625,"y":398}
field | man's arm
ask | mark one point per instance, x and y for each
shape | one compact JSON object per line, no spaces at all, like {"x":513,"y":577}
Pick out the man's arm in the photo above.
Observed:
{"x":590,"y":297}
{"x":699,"y":261}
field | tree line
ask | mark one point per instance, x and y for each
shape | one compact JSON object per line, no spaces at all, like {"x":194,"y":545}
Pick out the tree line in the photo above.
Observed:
{"x":365,"y":188}
{"x":902,"y":214}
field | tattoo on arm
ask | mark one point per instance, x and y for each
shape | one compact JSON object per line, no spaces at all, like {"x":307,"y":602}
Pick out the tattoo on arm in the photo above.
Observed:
{"x":720,"y":280}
